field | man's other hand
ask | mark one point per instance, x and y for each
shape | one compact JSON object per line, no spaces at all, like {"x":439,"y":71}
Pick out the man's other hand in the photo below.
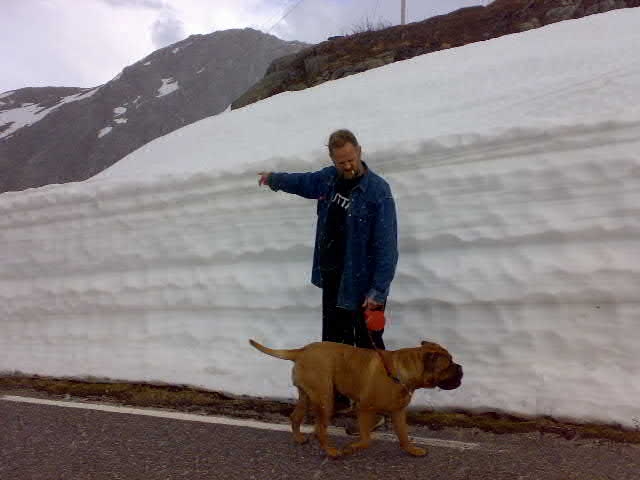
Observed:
{"x":371,"y":304}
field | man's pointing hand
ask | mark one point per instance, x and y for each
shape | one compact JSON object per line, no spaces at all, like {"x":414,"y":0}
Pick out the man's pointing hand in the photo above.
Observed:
{"x":264,"y":178}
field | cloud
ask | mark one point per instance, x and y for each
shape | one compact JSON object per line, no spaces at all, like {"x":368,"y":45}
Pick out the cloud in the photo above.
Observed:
{"x":152,"y":4}
{"x":167,"y":29}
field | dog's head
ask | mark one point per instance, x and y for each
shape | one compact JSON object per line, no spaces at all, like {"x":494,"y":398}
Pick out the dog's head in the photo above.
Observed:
{"x":439,"y":368}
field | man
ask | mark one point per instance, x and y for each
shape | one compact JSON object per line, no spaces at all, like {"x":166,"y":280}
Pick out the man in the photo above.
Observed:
{"x":356,"y":251}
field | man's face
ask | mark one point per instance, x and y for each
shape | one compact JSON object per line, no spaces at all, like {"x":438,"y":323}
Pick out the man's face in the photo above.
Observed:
{"x":347,"y":160}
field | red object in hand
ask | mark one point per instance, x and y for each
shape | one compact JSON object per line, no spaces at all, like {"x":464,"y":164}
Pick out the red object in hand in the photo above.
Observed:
{"x":375,"y":319}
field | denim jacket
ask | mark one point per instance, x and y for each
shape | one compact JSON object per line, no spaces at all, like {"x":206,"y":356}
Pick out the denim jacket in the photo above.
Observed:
{"x":371,"y":252}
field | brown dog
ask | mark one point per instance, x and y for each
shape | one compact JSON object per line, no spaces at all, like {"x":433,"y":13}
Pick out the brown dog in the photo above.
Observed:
{"x":323,"y":368}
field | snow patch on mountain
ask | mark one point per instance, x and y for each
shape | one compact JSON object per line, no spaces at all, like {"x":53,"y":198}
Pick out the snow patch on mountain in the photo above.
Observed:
{"x":28,"y":113}
{"x":104,"y":131}
{"x":169,"y":85}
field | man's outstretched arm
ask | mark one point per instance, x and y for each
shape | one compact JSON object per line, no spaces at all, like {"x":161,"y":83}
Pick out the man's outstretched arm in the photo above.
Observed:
{"x":307,"y":185}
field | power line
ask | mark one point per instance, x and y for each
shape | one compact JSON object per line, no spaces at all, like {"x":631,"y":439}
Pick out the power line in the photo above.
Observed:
{"x":286,"y":14}
{"x":375,"y":10}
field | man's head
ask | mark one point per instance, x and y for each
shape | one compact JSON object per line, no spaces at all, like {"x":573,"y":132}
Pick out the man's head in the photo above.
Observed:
{"x":346,"y":153}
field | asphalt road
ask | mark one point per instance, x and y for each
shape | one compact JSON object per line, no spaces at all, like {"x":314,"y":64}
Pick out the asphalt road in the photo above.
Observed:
{"x":53,"y":442}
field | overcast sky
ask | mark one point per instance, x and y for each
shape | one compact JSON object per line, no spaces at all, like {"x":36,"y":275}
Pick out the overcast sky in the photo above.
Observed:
{"x":85,"y":43}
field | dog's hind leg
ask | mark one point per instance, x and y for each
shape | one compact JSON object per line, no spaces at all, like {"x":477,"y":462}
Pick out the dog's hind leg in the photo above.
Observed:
{"x":323,"y":410}
{"x":297,"y":417}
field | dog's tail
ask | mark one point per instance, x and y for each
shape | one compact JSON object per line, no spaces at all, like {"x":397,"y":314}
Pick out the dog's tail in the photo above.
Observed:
{"x":284,"y":354}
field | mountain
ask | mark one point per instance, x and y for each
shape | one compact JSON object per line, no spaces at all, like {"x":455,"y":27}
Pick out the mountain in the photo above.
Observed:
{"x":353,"y":54}
{"x":58,"y":135}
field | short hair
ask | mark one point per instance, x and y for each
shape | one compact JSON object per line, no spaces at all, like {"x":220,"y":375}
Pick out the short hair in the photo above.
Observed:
{"x":339,"y":138}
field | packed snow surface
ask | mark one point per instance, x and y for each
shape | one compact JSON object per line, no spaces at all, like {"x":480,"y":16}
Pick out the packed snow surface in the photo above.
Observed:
{"x":515,"y":166}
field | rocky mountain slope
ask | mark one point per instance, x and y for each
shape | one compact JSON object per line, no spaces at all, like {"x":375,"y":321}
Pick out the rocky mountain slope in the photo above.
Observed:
{"x":345,"y":56}
{"x":58,"y":135}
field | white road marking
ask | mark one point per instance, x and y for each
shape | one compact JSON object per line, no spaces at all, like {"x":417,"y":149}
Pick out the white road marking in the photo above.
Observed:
{"x":236,"y":422}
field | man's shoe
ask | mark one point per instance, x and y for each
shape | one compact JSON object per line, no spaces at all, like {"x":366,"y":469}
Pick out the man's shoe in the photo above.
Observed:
{"x":352,"y":427}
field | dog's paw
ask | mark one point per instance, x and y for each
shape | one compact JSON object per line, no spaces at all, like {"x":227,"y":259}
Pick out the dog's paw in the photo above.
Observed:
{"x":355,"y":447}
{"x":333,"y":452}
{"x":415,"y":451}
{"x":300,"y":439}
{"x":348,"y":450}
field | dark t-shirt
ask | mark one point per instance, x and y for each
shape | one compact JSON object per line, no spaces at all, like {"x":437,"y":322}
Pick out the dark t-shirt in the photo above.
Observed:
{"x":332,"y":249}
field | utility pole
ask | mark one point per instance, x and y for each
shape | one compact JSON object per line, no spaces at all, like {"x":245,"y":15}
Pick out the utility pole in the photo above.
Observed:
{"x":403,"y":12}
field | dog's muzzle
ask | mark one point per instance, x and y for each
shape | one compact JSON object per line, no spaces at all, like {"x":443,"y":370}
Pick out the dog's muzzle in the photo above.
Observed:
{"x":454,"y":379}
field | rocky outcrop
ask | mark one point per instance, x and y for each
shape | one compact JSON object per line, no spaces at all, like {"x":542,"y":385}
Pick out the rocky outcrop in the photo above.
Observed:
{"x":59,"y":135}
{"x":344,"y":56}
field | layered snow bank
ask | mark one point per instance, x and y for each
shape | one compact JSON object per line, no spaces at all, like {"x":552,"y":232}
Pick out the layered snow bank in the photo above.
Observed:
{"x":515,"y":169}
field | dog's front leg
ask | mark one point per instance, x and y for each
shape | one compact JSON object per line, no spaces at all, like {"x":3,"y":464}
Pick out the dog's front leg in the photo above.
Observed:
{"x":399,"y":418}
{"x":366,"y":421}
